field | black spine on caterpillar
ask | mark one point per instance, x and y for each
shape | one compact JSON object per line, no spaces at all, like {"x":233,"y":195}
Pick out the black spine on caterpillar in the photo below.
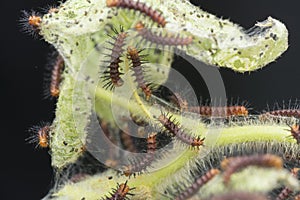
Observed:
{"x":139,"y":165}
{"x":158,"y":39}
{"x":112,"y":75}
{"x":197,"y":184}
{"x":173,"y":127}
{"x":137,"y":60}
{"x":155,"y":15}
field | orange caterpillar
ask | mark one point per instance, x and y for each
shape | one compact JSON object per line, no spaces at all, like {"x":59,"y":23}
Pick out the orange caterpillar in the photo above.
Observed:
{"x":34,"y":21}
{"x":235,"y":164}
{"x":155,"y":15}
{"x":179,"y":102}
{"x":56,"y":76}
{"x":40,"y":136}
{"x":228,"y":111}
{"x":121,"y":193}
{"x":112,"y":75}
{"x":173,"y":127}
{"x":140,"y":165}
{"x":158,"y":39}
{"x":30,"y":22}
{"x":136,"y":59}
{"x":285,"y":113}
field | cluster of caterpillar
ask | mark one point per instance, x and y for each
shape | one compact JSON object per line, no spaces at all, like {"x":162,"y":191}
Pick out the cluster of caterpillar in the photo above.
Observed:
{"x":112,"y":75}
{"x":137,"y":61}
{"x":139,"y":165}
{"x":234,"y":164}
{"x":158,"y":39}
{"x":31,"y":22}
{"x":173,"y":127}
{"x":236,"y":154}
{"x":155,"y":15}
{"x":120,"y":193}
{"x":40,"y":135}
{"x":197,"y":184}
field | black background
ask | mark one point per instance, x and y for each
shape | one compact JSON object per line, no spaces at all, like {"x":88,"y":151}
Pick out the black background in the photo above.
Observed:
{"x":26,"y":172}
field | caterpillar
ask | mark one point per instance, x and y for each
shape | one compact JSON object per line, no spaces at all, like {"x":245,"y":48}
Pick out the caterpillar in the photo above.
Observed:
{"x":136,"y":59}
{"x":40,"y":135}
{"x":158,"y":39}
{"x":155,"y":15}
{"x":197,"y":184}
{"x":112,"y":75}
{"x":286,"y":192}
{"x":141,"y":164}
{"x":173,"y":127}
{"x":285,"y":113}
{"x":56,"y":76}
{"x":177,"y":100}
{"x":239,"y":196}
{"x":120,"y":193}
{"x":238,"y":163}
{"x":209,"y":111}
{"x":30,"y":22}
{"x":295,"y":131}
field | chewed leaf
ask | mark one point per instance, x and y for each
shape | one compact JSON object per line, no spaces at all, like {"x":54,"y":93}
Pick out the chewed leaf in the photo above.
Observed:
{"x":215,"y":41}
